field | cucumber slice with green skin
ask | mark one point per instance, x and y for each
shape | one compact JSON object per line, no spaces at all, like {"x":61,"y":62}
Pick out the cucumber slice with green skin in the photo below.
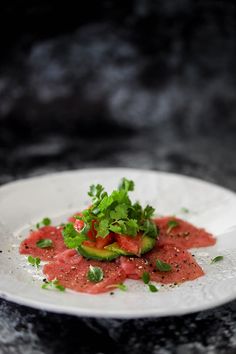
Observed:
{"x":97,"y":254}
{"x":114,"y":247}
{"x":147,"y":244}
{"x":113,"y":251}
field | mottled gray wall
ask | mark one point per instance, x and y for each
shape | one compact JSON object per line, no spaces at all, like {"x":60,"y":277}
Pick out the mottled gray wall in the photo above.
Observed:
{"x":134,"y":65}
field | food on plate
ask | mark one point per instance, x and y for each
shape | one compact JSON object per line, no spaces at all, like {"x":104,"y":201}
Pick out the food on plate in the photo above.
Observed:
{"x":115,"y":239}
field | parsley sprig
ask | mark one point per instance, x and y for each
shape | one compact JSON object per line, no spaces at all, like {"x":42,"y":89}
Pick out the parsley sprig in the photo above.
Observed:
{"x":95,"y":274}
{"x":146,"y":280}
{"x":34,"y":261}
{"x":54,"y":284}
{"x":112,"y":213}
{"x":44,"y":222}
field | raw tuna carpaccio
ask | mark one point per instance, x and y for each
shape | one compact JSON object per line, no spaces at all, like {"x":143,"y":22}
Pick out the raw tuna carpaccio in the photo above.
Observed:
{"x":184,"y":235}
{"x":70,"y":269}
{"x":184,"y":267}
{"x":29,"y":247}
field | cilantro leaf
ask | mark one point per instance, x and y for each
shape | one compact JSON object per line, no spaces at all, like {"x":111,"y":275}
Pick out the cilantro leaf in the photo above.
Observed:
{"x":149,"y":228}
{"x":126,"y":185}
{"x":131,"y":227}
{"x":72,"y":238}
{"x":116,"y":228}
{"x":120,"y":286}
{"x":153,"y":288}
{"x":44,"y":222}
{"x":184,"y":210}
{"x":146,"y":277}
{"x":95,"y":191}
{"x":148,"y":212}
{"x":95,"y":274}
{"x":217,"y":259}
{"x":120,"y":212}
{"x":105,"y":203}
{"x":171,"y":225}
{"x":35,"y":262}
{"x":44,"y":243}
{"x":162,"y":266}
{"x":112,"y":213}
{"x":136,"y":211}
{"x":103,"y":228}
{"x":54,"y":284}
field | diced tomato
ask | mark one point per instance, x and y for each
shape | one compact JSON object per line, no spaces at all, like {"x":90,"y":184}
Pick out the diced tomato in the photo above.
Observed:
{"x":89,"y":243}
{"x":92,"y":232}
{"x":130,"y":244}
{"x":72,"y":218}
{"x":78,"y":225}
{"x":101,"y":242}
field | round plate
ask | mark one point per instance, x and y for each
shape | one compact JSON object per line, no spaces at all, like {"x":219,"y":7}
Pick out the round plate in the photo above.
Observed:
{"x":59,"y":195}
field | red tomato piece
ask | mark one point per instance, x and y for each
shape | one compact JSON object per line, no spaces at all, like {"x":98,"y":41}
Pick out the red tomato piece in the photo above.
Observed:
{"x":78,"y":225}
{"x":130,"y":244}
{"x":101,"y":242}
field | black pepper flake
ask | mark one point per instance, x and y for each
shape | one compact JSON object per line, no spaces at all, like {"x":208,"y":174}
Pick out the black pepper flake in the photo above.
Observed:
{"x":0,"y":251}
{"x":111,"y":293}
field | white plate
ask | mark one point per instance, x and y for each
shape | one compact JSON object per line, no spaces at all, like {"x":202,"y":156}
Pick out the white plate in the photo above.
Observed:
{"x":23,"y":203}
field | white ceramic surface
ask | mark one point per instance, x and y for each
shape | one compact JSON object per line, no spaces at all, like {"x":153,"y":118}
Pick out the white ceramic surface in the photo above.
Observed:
{"x":59,"y":195}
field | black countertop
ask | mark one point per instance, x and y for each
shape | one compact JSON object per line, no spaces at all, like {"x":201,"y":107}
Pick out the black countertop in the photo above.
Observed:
{"x":25,"y":330}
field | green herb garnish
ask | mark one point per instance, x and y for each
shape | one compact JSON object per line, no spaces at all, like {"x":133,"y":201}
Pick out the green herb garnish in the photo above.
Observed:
{"x":162,"y":266}
{"x":54,"y":284}
{"x":146,"y":277}
{"x":171,"y":225}
{"x":35,"y":262}
{"x":112,"y":213}
{"x":217,"y":259}
{"x":44,"y":243}
{"x":184,"y":210}
{"x":95,"y":274}
{"x":44,"y":222}
{"x":152,"y":288}
{"x":73,"y":238}
{"x":120,"y":286}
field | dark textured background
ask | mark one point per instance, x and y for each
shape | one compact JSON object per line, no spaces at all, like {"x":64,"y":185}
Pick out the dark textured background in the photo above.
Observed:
{"x":141,"y":83}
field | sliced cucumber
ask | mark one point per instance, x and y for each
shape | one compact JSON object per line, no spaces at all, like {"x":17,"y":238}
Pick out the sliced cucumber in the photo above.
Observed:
{"x":147,"y":244}
{"x":114,"y":247}
{"x":96,"y":253}
{"x":113,"y":250}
